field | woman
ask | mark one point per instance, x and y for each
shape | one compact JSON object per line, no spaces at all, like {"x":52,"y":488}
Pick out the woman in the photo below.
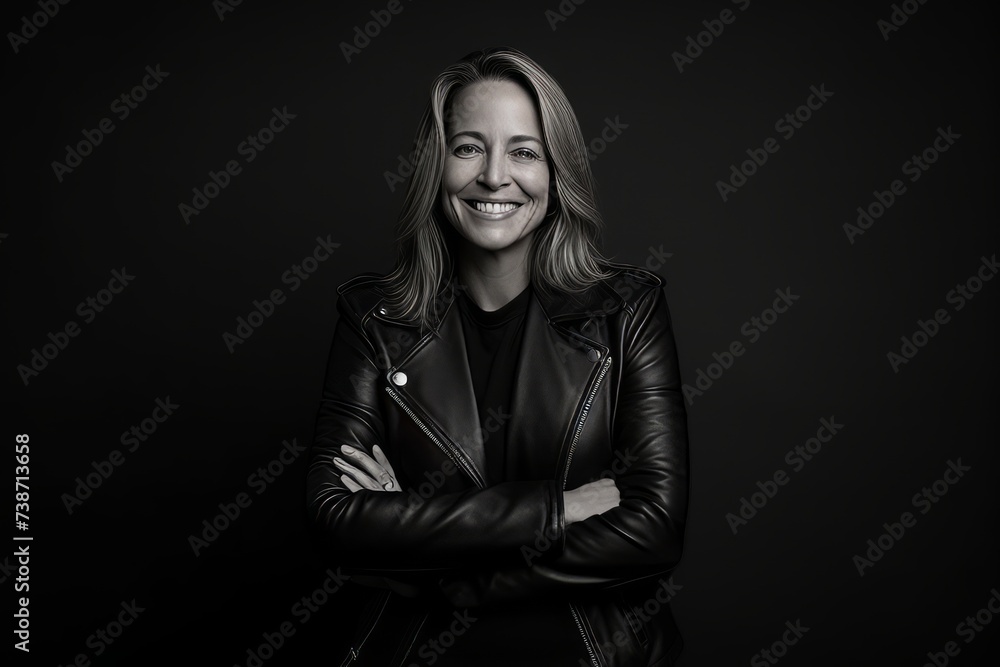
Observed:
{"x":501,"y":447}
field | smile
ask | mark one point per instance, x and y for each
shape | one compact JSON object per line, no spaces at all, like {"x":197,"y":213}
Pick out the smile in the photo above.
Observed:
{"x":492,"y":207}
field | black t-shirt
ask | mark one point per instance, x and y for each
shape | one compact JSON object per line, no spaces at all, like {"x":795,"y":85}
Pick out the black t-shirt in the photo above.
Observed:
{"x":493,"y":342}
{"x":539,"y":633}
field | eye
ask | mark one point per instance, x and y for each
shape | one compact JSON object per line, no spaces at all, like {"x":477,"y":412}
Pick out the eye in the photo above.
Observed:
{"x":525,"y":154}
{"x":466,"y":150}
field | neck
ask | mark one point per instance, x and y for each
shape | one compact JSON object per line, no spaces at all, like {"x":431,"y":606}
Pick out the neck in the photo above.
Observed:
{"x":493,"y":278}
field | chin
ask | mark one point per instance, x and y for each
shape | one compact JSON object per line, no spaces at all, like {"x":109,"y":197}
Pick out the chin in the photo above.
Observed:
{"x":493,"y":242}
{"x":495,"y":235}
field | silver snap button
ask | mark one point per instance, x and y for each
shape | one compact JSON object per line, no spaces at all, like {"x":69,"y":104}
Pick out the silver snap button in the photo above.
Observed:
{"x":593,"y":354}
{"x":399,"y":378}
{"x":381,"y":311}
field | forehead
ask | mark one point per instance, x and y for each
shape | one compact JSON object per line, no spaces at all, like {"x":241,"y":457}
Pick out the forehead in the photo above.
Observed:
{"x":493,"y":105}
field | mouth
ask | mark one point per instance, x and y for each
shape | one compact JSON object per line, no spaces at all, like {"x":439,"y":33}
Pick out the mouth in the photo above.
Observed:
{"x":492,"y":208}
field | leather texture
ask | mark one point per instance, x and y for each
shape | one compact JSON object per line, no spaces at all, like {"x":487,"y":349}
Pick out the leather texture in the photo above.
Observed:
{"x":597,"y":393}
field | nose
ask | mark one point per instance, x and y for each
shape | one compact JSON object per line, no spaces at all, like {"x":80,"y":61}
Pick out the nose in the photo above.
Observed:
{"x":494,"y":175}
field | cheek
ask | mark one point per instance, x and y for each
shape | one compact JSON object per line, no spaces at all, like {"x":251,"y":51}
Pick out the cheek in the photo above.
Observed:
{"x":457,"y":175}
{"x":536,"y":184}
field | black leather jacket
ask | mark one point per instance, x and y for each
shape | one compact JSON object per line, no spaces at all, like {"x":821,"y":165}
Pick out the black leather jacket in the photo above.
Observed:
{"x":597,"y":394}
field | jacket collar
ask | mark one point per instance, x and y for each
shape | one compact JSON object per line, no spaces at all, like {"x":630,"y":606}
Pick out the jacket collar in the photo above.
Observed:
{"x":597,"y":299}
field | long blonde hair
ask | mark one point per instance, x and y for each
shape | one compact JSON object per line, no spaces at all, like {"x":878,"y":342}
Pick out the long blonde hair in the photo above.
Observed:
{"x":563,"y":255}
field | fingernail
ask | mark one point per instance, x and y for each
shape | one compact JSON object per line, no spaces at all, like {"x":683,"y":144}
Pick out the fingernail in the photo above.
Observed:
{"x":387,"y":486}
{"x":339,"y":462}
{"x":347,"y":449}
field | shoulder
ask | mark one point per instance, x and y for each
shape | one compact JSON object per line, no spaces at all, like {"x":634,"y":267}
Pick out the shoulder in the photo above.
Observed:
{"x":633,"y":274}
{"x":622,"y":290}
{"x":630,"y":283}
{"x":362,"y":293}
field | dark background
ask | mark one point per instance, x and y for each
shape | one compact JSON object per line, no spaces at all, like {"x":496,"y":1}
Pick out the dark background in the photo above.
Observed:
{"x":325,"y":176}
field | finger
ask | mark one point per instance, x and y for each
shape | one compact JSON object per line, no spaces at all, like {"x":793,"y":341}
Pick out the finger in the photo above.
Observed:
{"x":369,"y":465}
{"x":384,"y":462}
{"x":361,"y":478}
{"x":351,"y":485}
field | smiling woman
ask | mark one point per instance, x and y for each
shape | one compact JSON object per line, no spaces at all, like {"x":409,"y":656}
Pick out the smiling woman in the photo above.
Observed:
{"x":501,"y":447}
{"x":496,"y":181}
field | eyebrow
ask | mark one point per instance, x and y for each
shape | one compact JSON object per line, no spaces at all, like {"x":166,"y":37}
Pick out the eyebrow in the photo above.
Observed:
{"x":516,"y":139}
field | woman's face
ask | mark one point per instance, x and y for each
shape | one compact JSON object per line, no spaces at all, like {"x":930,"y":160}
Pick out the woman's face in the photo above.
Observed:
{"x":495,"y":185}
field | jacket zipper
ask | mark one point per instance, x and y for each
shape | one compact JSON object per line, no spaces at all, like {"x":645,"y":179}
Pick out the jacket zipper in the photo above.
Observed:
{"x":569,"y":459}
{"x":413,"y":640}
{"x":449,"y":451}
{"x":583,"y":418}
{"x":355,"y":651}
{"x":586,"y":640}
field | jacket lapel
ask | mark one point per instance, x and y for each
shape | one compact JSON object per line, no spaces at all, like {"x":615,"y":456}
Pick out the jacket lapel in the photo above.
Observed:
{"x":439,"y":383}
{"x":557,"y":365}
{"x":553,"y":375}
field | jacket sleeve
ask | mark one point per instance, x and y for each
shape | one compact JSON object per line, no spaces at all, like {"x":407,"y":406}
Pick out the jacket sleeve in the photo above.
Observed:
{"x":642,"y":536}
{"x":384,"y":533}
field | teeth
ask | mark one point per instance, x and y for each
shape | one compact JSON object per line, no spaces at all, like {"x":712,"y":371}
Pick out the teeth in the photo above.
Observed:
{"x":489,"y":207}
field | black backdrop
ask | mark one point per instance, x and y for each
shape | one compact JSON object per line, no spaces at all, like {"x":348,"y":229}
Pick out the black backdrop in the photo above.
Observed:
{"x":674,"y":134}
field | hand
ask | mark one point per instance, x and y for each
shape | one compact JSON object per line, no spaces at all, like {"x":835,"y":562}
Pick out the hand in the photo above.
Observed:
{"x":591,"y":499}
{"x":366,"y":473}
